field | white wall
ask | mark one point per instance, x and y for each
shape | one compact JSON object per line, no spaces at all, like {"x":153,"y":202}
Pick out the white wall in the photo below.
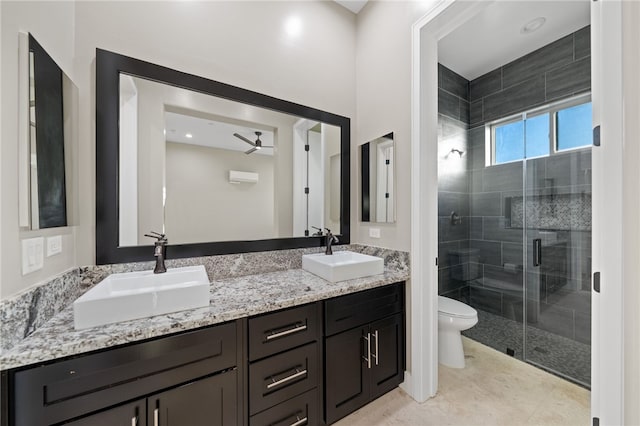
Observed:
{"x":631,"y":209}
{"x":383,"y":93}
{"x":240,"y":43}
{"x":203,"y":206}
{"x":52,"y":25}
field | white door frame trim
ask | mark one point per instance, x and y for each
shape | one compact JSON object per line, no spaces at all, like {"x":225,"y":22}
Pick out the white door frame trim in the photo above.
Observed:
{"x":607,"y":314}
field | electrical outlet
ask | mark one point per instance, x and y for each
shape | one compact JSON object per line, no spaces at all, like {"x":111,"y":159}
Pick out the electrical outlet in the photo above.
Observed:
{"x":374,"y":232}
{"x":32,"y":255}
{"x":54,"y":245}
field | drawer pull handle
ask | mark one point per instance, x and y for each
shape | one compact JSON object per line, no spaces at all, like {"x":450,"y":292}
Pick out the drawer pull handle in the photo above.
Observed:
{"x":156,"y":417}
{"x":299,"y":421}
{"x":134,"y":421}
{"x":295,"y":329}
{"x":295,"y":375}
{"x":368,"y":357}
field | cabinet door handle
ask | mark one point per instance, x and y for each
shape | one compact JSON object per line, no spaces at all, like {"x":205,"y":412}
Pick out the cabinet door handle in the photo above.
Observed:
{"x":156,"y":417}
{"x":368,"y":357}
{"x":134,"y":421}
{"x":295,"y":375}
{"x":299,"y":421}
{"x":295,"y":329}
{"x":375,"y":356}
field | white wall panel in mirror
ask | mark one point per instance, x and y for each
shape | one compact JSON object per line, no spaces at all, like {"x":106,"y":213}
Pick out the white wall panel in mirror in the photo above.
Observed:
{"x":178,"y":147}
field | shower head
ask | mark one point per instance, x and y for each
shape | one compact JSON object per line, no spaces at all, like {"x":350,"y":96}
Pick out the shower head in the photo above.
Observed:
{"x":457,"y":151}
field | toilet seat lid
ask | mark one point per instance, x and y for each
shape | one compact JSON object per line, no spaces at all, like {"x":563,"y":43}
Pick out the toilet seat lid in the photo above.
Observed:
{"x":455,"y":308}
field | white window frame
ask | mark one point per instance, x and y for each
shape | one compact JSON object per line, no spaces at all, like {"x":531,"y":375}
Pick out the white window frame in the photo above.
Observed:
{"x":550,"y":109}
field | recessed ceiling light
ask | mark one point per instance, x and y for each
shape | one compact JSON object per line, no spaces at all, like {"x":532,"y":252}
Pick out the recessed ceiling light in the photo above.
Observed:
{"x":188,"y":135}
{"x":293,"y":26}
{"x":533,"y":25}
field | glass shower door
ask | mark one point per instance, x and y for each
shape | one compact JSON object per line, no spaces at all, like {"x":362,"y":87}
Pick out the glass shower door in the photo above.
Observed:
{"x":555,"y":211}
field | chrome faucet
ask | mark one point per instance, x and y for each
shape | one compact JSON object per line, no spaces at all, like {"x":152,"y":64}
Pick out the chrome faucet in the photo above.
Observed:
{"x":160,"y":251}
{"x":331,"y":239}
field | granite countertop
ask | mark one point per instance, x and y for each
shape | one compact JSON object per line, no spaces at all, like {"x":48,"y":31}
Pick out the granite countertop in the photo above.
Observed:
{"x":231,"y":299}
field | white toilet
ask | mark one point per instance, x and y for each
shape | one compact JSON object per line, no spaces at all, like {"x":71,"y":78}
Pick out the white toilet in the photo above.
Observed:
{"x":453,"y":317}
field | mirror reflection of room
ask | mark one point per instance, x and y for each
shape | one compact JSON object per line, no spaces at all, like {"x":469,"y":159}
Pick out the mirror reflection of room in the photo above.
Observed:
{"x":377,"y":180}
{"x":208,"y":169}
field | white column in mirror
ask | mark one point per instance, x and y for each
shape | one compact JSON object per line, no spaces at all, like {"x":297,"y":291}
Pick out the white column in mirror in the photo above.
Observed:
{"x":331,"y":191}
{"x":384,"y":190}
{"x":315,"y":174}
{"x":128,"y":190}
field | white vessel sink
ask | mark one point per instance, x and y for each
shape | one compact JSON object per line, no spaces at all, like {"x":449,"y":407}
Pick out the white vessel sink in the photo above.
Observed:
{"x":342,"y":265}
{"x":132,"y":295}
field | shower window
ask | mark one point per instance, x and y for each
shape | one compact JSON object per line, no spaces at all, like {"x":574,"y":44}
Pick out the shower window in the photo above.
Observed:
{"x":549,"y":129}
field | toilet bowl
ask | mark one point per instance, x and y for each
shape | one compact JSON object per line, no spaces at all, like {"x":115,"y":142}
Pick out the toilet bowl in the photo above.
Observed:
{"x":453,"y":317}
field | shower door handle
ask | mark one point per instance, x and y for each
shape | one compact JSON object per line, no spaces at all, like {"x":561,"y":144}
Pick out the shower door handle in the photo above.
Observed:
{"x":537,"y":252}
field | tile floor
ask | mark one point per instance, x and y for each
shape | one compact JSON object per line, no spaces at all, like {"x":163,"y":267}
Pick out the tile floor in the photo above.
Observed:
{"x":494,"y":389}
{"x":565,"y":356}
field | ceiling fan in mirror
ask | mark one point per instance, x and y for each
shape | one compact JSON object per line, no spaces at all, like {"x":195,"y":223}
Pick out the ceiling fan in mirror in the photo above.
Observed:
{"x":256,"y":145}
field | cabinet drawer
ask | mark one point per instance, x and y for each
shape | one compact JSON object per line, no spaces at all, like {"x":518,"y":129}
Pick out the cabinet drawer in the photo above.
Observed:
{"x":279,"y":331}
{"x":298,"y":411}
{"x":77,"y":386}
{"x":280,"y":377}
{"x":353,"y":310}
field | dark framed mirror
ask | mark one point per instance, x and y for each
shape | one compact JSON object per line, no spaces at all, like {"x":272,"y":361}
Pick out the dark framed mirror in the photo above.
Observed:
{"x":218,"y":168}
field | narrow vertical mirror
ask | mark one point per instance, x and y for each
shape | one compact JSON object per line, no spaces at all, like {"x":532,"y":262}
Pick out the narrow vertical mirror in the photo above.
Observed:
{"x":378,"y":180}
{"x":46,"y":120}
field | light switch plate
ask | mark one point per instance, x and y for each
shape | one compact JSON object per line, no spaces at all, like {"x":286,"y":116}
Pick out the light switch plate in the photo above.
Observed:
{"x":374,"y":232}
{"x":32,"y":254}
{"x":54,"y":245}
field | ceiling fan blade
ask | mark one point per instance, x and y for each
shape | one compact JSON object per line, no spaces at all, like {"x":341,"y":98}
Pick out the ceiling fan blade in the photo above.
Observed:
{"x":251,"y":150}
{"x":239,"y":136}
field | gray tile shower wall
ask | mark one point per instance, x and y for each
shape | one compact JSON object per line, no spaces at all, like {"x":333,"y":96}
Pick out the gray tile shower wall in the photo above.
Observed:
{"x":558,"y":70}
{"x":486,"y":268}
{"x":453,"y":187}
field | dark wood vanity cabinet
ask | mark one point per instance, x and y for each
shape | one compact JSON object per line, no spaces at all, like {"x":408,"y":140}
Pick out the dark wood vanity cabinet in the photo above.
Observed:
{"x":165,"y":378}
{"x":364,"y":348}
{"x":133,"y":413}
{"x":285,"y":367}
{"x":308,"y":365}
{"x":211,"y":401}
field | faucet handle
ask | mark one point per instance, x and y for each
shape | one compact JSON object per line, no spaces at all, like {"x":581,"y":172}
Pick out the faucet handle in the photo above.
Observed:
{"x":160,"y":237}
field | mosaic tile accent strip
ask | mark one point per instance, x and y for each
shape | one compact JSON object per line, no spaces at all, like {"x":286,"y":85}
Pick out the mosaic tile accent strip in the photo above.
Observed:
{"x":556,"y":212}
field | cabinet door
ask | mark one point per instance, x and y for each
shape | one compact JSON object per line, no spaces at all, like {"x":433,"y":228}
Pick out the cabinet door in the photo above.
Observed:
{"x":387,"y":349}
{"x":132,"y":414}
{"x":205,"y":402}
{"x":346,"y":373}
